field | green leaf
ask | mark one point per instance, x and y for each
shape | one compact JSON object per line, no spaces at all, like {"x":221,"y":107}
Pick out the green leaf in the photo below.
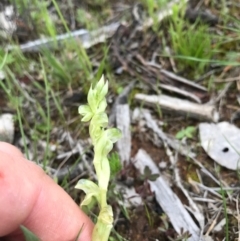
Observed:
{"x":87,"y":117}
{"x":99,"y":85}
{"x":148,"y":175}
{"x":114,"y":134}
{"x":95,"y":133}
{"x":102,"y":93}
{"x":87,"y":186}
{"x":86,"y":112}
{"x":106,"y":146}
{"x":153,"y":177}
{"x":101,"y":69}
{"x":90,"y":188}
{"x":102,"y":105}
{"x":100,"y":120}
{"x":190,"y":131}
{"x":147,"y":171}
{"x":101,"y":89}
{"x":29,"y":236}
{"x":92,"y":99}
{"x":187,"y":132}
{"x":115,"y":164}
{"x":180,"y":134}
{"x":84,"y":109}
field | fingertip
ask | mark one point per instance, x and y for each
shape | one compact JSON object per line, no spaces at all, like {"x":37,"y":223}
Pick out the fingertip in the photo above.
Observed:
{"x":17,"y":192}
{"x":10,"y":149}
{"x":29,"y":197}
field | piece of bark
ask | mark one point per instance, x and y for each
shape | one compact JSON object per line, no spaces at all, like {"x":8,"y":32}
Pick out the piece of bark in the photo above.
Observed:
{"x":87,"y":39}
{"x":170,"y":203}
{"x":123,"y":121}
{"x":179,"y":106}
{"x":121,"y":99}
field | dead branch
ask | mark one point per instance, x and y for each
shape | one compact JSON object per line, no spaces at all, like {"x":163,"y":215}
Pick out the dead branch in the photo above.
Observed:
{"x":179,"y":106}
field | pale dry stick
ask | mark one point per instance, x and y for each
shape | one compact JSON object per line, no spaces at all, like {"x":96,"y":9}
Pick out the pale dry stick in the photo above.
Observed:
{"x":83,"y":155}
{"x":172,"y":75}
{"x":206,"y":75}
{"x":60,"y":173}
{"x":76,"y":178}
{"x":153,"y":64}
{"x":193,"y":207}
{"x":180,"y":106}
{"x":208,"y":189}
{"x":169,"y":87}
{"x":223,"y":91}
{"x":194,"y":187}
{"x":86,"y":163}
{"x":220,"y":225}
{"x":153,"y":60}
{"x":182,"y":80}
{"x":181,"y":92}
{"x":199,"y":199}
{"x":213,"y":223}
{"x":172,"y":62}
{"x":23,"y":88}
{"x":199,"y":176}
{"x":135,"y":13}
{"x":218,"y":189}
{"x":209,"y":174}
{"x":67,"y":153}
{"x":63,"y":162}
{"x":231,"y":79}
{"x":86,"y":38}
{"x":212,"y":207}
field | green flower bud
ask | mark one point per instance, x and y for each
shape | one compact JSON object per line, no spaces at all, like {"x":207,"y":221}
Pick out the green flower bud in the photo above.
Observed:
{"x":86,"y":112}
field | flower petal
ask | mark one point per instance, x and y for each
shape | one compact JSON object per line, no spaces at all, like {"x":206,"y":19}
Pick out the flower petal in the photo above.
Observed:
{"x":90,"y":188}
{"x":92,"y":99}
{"x":114,"y":134}
{"x":102,"y":105}
{"x":84,"y":109}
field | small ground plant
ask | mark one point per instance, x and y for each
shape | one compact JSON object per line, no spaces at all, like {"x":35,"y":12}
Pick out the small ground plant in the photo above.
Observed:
{"x":191,"y":43}
{"x":102,"y":139}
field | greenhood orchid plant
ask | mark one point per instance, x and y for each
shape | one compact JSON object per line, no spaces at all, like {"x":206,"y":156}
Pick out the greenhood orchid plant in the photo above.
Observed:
{"x":103,"y":140}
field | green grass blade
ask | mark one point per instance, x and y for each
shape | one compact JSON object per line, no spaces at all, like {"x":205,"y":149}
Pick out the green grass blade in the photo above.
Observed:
{"x":29,"y":236}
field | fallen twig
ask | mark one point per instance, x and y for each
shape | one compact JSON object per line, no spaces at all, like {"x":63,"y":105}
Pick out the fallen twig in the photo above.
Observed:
{"x":197,"y":111}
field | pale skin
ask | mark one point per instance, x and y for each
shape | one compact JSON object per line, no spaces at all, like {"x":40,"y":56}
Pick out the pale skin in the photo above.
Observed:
{"x":29,"y":197}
